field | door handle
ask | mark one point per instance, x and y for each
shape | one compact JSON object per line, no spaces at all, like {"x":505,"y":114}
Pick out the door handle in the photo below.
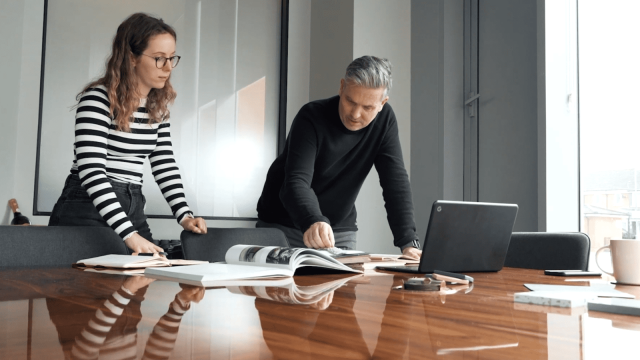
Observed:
{"x":469,"y":103}
{"x":471,"y":99}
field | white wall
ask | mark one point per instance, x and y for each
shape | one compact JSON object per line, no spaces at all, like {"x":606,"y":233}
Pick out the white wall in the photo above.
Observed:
{"x":11,"y":14}
{"x":371,"y":37}
{"x":23,"y":110}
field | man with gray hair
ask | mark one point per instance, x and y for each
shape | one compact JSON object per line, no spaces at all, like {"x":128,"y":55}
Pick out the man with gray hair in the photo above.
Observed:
{"x":311,"y":188}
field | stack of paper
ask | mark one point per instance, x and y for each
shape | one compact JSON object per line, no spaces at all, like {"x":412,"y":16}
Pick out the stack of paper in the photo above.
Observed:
{"x":616,"y":306}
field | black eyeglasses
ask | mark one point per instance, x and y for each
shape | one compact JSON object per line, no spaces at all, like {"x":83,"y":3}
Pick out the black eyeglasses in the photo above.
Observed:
{"x":161,"y":61}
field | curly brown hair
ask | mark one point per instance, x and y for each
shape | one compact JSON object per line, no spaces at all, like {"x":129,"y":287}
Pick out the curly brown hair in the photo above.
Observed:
{"x":132,"y":38}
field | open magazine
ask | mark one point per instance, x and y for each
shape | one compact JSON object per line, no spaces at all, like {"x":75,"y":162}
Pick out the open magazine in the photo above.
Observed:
{"x":290,"y":293}
{"x":249,"y":262}
{"x":285,"y":258}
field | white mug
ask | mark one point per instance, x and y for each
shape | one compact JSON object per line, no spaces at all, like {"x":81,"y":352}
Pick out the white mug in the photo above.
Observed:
{"x":625,"y":256}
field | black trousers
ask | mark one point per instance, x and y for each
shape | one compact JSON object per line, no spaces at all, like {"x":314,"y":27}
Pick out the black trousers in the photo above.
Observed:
{"x":75,"y":208}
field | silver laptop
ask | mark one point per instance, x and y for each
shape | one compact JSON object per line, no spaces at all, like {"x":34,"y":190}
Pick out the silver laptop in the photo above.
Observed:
{"x":465,"y":237}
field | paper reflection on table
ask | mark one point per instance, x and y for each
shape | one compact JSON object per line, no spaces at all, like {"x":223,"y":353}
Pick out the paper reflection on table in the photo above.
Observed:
{"x":318,"y":295}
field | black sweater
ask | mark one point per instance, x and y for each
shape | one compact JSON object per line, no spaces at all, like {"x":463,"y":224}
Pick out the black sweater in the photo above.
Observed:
{"x":323,"y":166}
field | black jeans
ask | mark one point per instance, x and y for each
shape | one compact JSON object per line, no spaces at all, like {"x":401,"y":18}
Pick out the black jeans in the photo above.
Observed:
{"x":74,"y":207}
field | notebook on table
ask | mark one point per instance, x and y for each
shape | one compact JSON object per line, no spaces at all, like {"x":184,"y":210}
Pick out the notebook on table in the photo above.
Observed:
{"x":132,"y":262}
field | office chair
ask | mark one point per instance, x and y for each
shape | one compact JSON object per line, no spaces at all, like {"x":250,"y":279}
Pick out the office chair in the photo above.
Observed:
{"x":56,"y":245}
{"x":549,"y":251}
{"x":213,"y":245}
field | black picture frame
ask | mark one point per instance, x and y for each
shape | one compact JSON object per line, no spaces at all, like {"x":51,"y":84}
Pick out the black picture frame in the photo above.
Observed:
{"x":282,"y":107}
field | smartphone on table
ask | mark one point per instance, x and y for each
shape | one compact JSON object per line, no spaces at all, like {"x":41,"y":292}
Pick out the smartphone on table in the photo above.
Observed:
{"x":571,"y":273}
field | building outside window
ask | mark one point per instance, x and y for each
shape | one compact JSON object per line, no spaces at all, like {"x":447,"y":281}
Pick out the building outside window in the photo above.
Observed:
{"x":609,"y":122}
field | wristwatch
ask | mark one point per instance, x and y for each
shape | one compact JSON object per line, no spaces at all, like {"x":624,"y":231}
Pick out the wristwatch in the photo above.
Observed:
{"x":413,"y":243}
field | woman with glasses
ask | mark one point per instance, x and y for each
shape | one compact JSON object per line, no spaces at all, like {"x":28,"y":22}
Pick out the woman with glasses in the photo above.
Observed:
{"x":121,"y":119}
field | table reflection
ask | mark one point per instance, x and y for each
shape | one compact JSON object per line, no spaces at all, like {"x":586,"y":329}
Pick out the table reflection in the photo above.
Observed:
{"x":66,"y":313}
{"x":413,"y":323}
{"x":108,"y":328}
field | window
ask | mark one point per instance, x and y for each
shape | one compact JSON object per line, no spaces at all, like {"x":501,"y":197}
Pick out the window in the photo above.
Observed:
{"x":609,"y":124}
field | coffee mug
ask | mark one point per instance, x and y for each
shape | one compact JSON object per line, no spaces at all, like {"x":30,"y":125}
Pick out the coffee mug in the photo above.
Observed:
{"x":625,"y":256}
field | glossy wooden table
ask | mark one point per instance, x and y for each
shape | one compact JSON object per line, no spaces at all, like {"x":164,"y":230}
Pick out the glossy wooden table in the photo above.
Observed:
{"x":67,"y":313}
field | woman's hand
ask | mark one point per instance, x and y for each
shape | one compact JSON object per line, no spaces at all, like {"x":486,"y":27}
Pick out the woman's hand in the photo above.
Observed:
{"x":141,"y":245}
{"x":190,"y":293}
{"x":135,"y":283}
{"x":195,"y":225}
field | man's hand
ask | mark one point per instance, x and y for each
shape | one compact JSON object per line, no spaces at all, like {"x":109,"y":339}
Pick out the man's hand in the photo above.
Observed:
{"x":141,"y":245}
{"x":323,"y":303}
{"x":412,"y":253}
{"x":195,"y":225}
{"x":319,"y":236}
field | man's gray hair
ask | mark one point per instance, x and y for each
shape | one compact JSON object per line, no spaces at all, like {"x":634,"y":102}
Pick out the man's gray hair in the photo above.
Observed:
{"x":371,"y":72}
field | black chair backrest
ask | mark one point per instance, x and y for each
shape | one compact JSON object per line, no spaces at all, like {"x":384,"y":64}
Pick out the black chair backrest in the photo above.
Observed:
{"x":213,"y":245}
{"x":549,"y":251}
{"x":56,"y":245}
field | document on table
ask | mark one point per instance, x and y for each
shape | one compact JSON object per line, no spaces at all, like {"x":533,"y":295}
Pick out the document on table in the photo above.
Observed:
{"x":615,"y":306}
{"x":605,"y":290}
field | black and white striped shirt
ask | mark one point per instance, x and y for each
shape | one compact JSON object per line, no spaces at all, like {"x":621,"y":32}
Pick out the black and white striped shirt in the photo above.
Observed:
{"x":101,"y":153}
